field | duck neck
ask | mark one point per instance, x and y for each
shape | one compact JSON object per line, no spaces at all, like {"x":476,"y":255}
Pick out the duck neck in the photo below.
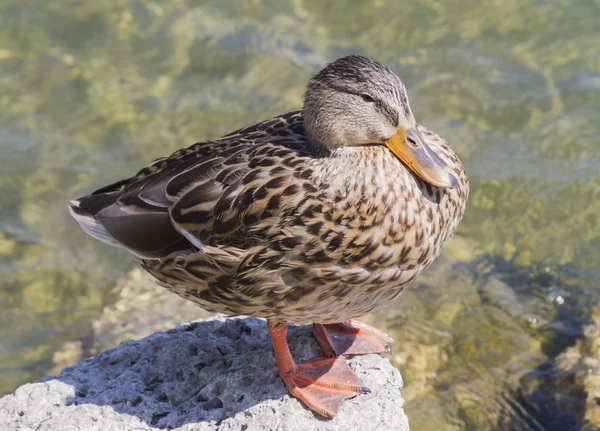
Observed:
{"x":351,"y":169}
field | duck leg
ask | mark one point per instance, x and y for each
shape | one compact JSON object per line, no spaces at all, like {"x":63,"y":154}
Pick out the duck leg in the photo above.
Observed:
{"x":321,"y":383}
{"x":351,"y":338}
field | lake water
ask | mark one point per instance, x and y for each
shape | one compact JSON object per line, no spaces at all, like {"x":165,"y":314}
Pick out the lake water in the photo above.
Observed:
{"x":90,"y":91}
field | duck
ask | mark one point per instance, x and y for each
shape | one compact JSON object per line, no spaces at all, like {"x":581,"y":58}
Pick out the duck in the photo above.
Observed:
{"x":316,"y":216}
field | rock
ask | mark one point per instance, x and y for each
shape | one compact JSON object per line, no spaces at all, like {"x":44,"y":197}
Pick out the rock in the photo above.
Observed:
{"x":216,"y":374}
{"x":577,"y":376}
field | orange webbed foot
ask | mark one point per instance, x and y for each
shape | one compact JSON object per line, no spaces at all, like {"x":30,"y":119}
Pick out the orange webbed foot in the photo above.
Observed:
{"x":323,"y":384}
{"x":351,"y":338}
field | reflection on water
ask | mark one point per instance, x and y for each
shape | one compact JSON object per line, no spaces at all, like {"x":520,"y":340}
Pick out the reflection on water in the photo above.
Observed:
{"x":89,"y":91}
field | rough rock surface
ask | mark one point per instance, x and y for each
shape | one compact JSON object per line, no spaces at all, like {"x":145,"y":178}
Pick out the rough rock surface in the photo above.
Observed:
{"x":207,"y":375}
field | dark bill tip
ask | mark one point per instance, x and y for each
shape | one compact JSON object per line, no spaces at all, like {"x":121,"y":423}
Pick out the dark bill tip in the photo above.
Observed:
{"x":453,"y":181}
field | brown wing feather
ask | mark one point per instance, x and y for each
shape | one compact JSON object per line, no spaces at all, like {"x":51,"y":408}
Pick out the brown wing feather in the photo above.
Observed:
{"x":245,"y":190}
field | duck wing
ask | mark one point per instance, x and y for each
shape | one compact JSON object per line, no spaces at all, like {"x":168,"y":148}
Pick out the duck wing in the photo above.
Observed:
{"x":211,"y":193}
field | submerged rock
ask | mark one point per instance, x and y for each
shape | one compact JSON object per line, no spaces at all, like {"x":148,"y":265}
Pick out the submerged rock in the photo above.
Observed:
{"x":214,"y":374}
{"x":577,"y":376}
{"x":135,"y":308}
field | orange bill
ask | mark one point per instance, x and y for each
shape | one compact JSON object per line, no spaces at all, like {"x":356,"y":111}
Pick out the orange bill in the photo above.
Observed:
{"x":410,"y":147}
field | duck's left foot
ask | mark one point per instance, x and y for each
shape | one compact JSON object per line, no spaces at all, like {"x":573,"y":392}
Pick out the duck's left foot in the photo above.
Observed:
{"x":323,"y":384}
{"x":351,"y":338}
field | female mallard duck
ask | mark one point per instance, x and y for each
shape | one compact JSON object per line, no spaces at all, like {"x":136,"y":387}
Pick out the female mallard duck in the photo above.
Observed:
{"x":318,"y":215}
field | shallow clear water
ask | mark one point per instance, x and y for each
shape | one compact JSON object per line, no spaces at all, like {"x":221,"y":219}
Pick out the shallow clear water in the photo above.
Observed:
{"x":90,"y":91}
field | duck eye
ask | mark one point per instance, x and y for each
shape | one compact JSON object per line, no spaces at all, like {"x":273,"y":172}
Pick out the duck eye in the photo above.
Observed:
{"x":367,"y":98}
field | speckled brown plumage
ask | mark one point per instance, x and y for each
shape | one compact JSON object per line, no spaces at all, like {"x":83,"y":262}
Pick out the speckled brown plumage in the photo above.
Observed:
{"x":279,"y":237}
{"x":318,"y":216}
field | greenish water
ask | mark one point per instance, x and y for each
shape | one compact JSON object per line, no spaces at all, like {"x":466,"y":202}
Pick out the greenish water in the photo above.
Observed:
{"x":90,"y":91}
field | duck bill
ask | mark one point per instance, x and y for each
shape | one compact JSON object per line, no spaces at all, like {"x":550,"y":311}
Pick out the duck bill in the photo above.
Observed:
{"x":410,"y":147}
